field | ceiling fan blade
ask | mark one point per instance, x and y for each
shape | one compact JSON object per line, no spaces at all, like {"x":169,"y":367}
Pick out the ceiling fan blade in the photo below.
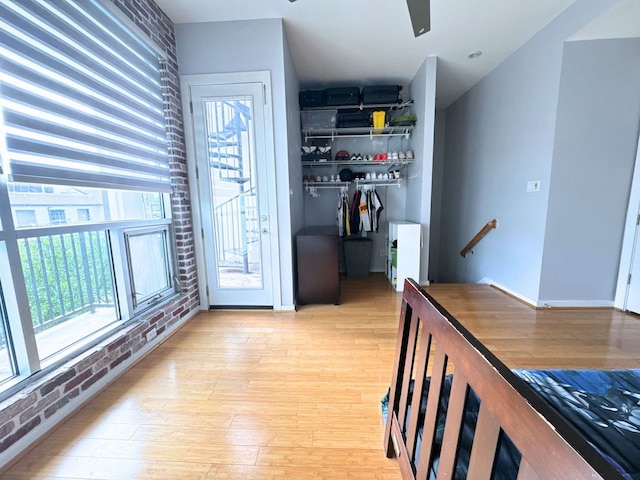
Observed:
{"x":420,"y":13}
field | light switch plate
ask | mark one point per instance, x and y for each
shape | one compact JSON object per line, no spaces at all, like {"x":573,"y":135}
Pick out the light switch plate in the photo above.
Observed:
{"x":533,"y":186}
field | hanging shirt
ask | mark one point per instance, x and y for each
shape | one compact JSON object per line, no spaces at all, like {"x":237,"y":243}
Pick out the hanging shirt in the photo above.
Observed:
{"x":355,"y":214}
{"x":340,"y":215}
{"x":377,"y":209}
{"x":365,"y":218}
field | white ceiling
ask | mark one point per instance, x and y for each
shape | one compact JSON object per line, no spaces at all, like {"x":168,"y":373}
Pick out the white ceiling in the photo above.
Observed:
{"x":360,"y":42}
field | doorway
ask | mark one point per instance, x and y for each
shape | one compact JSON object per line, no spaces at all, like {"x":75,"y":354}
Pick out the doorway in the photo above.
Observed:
{"x":628,"y":286}
{"x":234,"y":178}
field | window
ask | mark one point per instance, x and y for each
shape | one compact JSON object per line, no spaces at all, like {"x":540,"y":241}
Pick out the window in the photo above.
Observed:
{"x":70,"y":287}
{"x":149,"y":261}
{"x":83,"y":153}
{"x":57,"y":216}
{"x":84,"y":215}
{"x":25,"y":218}
{"x":90,"y":204}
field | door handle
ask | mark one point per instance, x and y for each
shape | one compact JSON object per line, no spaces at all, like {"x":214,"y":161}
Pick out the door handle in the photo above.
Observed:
{"x":264,"y":218}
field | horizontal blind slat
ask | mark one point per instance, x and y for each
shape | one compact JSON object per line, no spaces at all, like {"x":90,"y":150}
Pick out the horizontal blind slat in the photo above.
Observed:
{"x":57,"y":71}
{"x":82,"y":114}
{"x":81,"y":156}
{"x":14,"y":78}
{"x":66,"y":128}
{"x":75,"y":41}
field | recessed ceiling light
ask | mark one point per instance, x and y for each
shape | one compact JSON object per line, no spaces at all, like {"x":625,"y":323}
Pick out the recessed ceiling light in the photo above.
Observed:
{"x":475,"y":54}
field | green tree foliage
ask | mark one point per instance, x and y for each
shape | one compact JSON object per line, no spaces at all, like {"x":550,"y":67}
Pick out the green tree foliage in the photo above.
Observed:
{"x":66,"y":275}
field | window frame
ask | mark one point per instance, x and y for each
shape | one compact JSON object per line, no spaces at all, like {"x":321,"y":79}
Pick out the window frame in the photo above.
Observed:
{"x":139,"y":305}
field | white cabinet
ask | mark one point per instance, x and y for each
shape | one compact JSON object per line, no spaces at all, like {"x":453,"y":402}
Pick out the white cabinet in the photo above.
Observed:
{"x":403,"y":260}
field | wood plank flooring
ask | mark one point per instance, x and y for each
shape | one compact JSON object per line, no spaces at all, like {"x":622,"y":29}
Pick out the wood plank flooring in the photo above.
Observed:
{"x":264,"y":395}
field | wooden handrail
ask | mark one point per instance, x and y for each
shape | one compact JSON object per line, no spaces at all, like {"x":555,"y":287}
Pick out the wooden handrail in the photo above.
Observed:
{"x":483,"y":231}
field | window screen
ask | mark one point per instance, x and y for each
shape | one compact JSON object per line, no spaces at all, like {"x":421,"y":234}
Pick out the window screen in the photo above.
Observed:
{"x":80,"y":97}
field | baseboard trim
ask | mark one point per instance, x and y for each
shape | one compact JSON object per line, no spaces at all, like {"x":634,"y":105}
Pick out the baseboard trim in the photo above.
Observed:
{"x":575,"y":304}
{"x":550,"y":303}
{"x":508,"y":291}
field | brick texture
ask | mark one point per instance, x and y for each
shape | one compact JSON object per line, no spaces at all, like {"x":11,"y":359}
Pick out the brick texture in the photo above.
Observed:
{"x":42,"y":399}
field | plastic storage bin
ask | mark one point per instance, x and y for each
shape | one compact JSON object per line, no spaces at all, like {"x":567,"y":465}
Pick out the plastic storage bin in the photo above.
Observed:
{"x":357,"y":256}
{"x":318,"y":119}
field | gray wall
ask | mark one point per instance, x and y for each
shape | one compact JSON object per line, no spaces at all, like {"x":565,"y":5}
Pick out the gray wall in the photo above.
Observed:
{"x":419,"y":184}
{"x":254,"y":45}
{"x":593,"y":159}
{"x":499,"y":136}
{"x":294,"y":141}
{"x":296,"y":199}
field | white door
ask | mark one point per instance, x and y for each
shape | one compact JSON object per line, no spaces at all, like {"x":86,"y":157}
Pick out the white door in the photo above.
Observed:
{"x":633,"y":290}
{"x":233,"y":177}
{"x":628,"y":287}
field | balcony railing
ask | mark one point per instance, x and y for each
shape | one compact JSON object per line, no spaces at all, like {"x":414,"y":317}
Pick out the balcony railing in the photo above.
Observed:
{"x":236,"y":224}
{"x":66,"y":275}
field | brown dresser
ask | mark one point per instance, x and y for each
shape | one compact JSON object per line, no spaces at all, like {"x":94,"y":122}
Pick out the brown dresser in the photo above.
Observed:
{"x":317,"y":265}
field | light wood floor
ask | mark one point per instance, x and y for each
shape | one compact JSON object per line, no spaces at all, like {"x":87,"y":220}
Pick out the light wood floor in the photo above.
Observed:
{"x":263,"y":395}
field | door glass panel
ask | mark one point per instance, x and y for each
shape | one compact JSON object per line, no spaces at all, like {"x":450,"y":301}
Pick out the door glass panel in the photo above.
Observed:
{"x":229,"y":129}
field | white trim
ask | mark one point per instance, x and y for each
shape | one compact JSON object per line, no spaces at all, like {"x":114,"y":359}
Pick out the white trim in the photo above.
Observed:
{"x":194,"y":191}
{"x":576,"y":303}
{"x":285,"y":308}
{"x":628,"y":240}
{"x":507,"y":290}
{"x":550,"y":303}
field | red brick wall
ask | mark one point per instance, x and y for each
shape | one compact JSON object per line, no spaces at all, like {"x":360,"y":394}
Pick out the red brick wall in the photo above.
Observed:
{"x":40,"y":405}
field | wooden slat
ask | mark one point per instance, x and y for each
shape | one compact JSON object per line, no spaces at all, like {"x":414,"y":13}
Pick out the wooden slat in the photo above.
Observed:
{"x":431,"y":415}
{"x":398,"y":369}
{"x":485,"y":443}
{"x":408,"y":369}
{"x":404,"y":461}
{"x":455,"y":414}
{"x":418,"y":387}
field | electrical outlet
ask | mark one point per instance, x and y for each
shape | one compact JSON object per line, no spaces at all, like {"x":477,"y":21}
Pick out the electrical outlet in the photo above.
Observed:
{"x":533,"y":186}
{"x":151,"y":335}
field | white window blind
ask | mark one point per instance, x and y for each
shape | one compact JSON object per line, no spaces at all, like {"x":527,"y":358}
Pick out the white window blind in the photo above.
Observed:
{"x":81,"y":97}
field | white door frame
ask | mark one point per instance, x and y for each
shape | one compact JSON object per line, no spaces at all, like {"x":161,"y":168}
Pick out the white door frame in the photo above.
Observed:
{"x":186,"y":82}
{"x":628,"y":239}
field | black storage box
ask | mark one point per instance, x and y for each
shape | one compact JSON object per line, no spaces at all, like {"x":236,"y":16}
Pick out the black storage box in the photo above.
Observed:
{"x":353,"y":120}
{"x":374,"y":94}
{"x":357,"y":256}
{"x":311,"y":98}
{"x":342,"y":96}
